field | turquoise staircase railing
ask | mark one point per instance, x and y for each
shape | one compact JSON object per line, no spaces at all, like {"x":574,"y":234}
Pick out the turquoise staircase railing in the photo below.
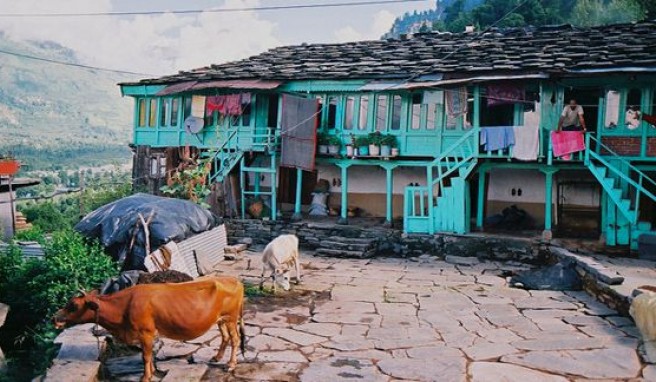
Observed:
{"x":442,"y":204}
{"x":614,"y":174}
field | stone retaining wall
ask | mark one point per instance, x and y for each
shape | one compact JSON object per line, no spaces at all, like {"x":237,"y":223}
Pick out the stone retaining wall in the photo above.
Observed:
{"x":387,"y":241}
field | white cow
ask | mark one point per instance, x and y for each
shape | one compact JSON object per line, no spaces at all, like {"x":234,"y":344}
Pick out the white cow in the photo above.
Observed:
{"x":278,"y":256}
{"x":643,"y":311}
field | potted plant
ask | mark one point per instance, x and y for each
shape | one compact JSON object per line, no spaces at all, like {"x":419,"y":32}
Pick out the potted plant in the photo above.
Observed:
{"x":386,"y":144}
{"x":374,"y":143}
{"x":362,"y":143}
{"x":322,"y":141}
{"x":9,"y":165}
{"x":350,"y":147}
{"x":333,"y":142}
{"x":395,"y":148}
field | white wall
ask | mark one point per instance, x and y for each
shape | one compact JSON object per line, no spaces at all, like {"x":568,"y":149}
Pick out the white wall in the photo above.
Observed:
{"x":372,"y":179}
{"x":5,"y":216}
{"x":531,"y":182}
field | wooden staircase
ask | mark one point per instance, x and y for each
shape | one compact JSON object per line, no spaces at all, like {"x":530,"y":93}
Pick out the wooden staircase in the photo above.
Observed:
{"x":623,"y":184}
{"x":443,"y":205}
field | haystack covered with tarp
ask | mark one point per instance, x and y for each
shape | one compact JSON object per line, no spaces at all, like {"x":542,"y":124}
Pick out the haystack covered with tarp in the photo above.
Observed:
{"x":147,"y":232}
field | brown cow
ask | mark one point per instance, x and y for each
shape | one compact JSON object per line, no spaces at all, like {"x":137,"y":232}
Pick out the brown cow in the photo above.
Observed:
{"x":178,"y":311}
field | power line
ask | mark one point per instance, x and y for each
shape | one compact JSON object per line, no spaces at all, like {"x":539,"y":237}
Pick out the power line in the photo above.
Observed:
{"x":222,"y":10}
{"x":89,"y":67}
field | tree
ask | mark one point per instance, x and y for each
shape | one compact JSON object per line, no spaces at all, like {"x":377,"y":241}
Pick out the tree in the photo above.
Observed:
{"x":588,"y":13}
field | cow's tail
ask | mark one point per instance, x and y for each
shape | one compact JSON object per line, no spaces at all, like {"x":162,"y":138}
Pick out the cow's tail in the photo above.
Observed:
{"x":242,"y":332}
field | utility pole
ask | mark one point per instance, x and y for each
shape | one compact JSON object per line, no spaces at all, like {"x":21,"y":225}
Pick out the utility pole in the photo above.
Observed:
{"x":81,"y":194}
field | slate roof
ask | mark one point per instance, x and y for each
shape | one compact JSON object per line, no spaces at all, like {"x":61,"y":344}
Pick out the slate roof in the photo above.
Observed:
{"x":556,"y":49}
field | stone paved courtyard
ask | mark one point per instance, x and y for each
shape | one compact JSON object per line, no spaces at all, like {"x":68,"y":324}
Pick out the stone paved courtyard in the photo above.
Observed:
{"x":420,"y":319}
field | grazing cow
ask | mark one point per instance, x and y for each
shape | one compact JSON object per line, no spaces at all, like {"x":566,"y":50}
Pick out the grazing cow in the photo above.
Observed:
{"x":178,"y":311}
{"x":643,"y":311}
{"x":278,"y":256}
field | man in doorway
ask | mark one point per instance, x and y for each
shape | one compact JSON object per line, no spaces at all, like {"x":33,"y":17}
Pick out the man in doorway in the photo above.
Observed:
{"x":571,"y":119}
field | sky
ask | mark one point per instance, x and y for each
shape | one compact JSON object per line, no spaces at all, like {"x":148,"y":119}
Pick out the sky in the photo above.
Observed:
{"x":167,"y":43}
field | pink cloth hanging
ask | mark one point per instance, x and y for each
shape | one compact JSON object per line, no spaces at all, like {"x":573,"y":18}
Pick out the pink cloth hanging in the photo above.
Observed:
{"x":567,"y":142}
{"x":229,"y":104}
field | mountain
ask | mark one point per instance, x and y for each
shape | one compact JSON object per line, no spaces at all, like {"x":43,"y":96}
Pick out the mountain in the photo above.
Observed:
{"x":53,"y":115}
{"x":455,"y":15}
{"x":423,"y":21}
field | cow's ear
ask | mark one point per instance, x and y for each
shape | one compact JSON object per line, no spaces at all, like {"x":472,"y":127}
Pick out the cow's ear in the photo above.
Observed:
{"x":92,"y":305}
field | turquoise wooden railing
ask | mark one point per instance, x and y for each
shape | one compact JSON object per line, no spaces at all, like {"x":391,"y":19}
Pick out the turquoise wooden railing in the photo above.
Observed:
{"x":419,"y":200}
{"x":637,"y":186}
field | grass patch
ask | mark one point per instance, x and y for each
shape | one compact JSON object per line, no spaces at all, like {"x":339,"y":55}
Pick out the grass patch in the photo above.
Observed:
{"x":253,"y":290}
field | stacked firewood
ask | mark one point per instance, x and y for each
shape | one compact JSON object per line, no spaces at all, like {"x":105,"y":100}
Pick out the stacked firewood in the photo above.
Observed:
{"x":21,"y":223}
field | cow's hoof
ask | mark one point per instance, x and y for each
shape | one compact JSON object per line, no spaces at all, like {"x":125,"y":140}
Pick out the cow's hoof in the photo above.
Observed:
{"x":231,"y":368}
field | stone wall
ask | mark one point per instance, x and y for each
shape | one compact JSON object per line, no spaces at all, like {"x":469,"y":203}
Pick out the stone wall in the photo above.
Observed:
{"x":383,"y":241}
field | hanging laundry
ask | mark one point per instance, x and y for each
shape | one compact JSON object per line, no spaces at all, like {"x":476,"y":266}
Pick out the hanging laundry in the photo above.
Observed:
{"x":456,"y":101}
{"x":527,"y":142}
{"x":567,"y":142}
{"x":504,"y":94}
{"x":214,"y":103}
{"x":497,"y":138}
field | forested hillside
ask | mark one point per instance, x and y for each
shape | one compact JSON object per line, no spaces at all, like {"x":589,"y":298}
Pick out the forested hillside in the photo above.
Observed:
{"x":454,"y":15}
{"x":59,"y":116}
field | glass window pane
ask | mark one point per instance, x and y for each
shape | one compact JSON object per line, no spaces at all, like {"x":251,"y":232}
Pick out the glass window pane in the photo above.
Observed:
{"x":416,"y":112}
{"x":153,"y":113}
{"x":187,"y":108}
{"x":175,"y":107}
{"x":332,"y":112}
{"x":632,"y":113}
{"x":381,"y":112}
{"x":348,"y":113}
{"x":246,"y":114}
{"x":142,"y":112}
{"x":431,"y":121}
{"x":451,"y":122}
{"x":396,"y":112}
{"x":364,"y":112}
{"x":612,"y":109}
{"x":163,"y":112}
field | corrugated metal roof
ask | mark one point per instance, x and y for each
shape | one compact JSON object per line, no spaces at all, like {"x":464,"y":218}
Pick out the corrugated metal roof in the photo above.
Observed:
{"x":176,"y":88}
{"x":29,"y":249}
{"x":209,"y":245}
{"x":237,"y":84}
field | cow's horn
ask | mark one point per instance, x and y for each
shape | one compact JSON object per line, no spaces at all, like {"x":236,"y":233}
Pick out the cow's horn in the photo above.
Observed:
{"x":82,"y":292}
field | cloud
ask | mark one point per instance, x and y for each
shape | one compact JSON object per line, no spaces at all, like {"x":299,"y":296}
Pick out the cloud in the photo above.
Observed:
{"x":382,"y":22}
{"x":153,"y":44}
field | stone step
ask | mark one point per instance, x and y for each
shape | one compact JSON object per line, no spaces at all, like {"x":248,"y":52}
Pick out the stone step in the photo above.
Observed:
{"x":352,"y":240}
{"x":343,"y":253}
{"x":329,"y":244}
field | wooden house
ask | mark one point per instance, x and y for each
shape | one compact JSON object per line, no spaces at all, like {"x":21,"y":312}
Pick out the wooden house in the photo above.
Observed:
{"x":445,"y":98}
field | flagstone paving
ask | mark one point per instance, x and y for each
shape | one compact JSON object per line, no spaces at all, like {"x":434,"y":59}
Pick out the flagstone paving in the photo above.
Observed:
{"x":418,"y":319}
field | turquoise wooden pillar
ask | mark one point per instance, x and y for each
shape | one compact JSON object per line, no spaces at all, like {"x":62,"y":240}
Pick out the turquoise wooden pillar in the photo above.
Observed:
{"x":431,"y":203}
{"x":344,"y":215}
{"x":480,"y":205}
{"x":274,"y":188}
{"x":548,"y":203}
{"x":390,"y":189}
{"x":299,"y":190}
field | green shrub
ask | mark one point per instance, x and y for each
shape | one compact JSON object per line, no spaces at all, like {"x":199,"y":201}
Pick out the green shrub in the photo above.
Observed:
{"x":36,"y":289}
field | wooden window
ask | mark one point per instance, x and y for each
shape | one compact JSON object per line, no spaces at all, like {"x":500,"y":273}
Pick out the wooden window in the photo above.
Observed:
{"x":272,"y":112}
{"x":416,"y":108}
{"x":152,"y":110}
{"x":349,"y":112}
{"x":142,"y":112}
{"x":530,"y":114}
{"x":433,"y":103}
{"x":175,"y":111}
{"x":632,"y":109}
{"x":612,"y":113}
{"x":320,"y":114}
{"x":164,"y":112}
{"x":381,"y":112}
{"x":397,"y":102}
{"x":331,"y":122}
{"x":157,"y":166}
{"x":363,"y":115}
